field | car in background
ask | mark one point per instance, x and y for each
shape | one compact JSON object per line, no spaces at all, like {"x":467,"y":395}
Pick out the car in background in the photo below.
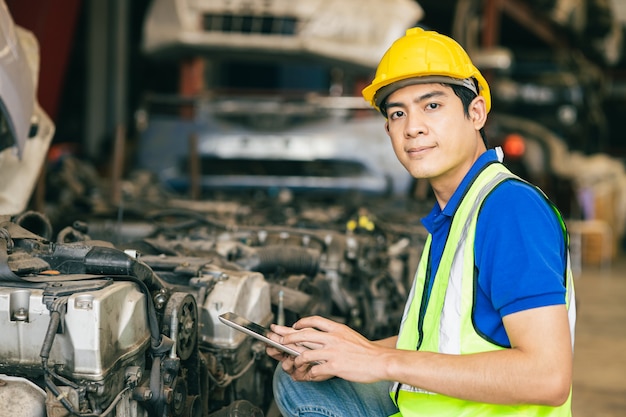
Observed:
{"x":281,"y":105}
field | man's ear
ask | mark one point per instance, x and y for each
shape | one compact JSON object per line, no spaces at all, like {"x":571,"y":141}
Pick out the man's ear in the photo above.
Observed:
{"x":387,"y":126}
{"x":478,"y":112}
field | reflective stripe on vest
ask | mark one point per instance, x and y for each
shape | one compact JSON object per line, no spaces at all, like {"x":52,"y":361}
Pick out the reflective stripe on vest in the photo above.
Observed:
{"x":444,"y":323}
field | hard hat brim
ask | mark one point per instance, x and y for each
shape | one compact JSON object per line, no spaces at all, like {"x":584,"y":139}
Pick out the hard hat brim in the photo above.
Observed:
{"x":384,"y":92}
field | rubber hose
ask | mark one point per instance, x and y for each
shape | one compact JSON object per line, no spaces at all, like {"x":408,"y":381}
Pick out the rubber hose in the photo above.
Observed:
{"x":293,"y":260}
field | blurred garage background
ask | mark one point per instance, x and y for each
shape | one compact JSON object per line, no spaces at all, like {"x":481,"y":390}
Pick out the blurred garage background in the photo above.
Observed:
{"x":127,"y":82}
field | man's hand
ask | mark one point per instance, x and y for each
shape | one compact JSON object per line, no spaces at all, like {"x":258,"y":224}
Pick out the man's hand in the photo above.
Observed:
{"x":328,"y":349}
{"x":298,"y":373}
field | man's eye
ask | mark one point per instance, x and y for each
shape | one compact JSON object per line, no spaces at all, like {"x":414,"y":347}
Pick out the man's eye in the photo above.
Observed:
{"x":396,"y":114}
{"x":432,"y":106}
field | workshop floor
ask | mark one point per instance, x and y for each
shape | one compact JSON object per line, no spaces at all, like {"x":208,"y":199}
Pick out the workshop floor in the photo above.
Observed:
{"x":600,"y":347}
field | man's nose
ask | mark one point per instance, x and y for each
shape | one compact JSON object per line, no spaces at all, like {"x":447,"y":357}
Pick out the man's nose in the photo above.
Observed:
{"x":415,"y":126}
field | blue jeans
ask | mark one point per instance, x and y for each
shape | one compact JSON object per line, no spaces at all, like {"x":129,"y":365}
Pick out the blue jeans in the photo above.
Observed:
{"x":332,"y":398}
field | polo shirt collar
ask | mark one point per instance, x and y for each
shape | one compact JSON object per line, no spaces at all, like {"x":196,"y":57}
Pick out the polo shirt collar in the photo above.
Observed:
{"x":431,"y":220}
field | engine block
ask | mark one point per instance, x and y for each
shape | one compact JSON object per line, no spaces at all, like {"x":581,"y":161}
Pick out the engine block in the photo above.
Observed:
{"x":101,"y":329}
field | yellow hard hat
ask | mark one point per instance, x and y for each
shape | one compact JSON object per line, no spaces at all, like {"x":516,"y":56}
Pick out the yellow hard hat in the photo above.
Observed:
{"x":423,"y":57}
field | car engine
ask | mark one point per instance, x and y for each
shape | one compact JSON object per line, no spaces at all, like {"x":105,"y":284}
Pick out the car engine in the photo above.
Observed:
{"x":131,"y":329}
{"x":93,"y":330}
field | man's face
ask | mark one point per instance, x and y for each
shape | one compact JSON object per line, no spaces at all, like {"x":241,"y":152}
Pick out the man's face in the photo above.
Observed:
{"x":431,"y":135}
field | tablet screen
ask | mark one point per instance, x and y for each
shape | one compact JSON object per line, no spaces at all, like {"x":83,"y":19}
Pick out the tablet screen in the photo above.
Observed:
{"x":255,"y":330}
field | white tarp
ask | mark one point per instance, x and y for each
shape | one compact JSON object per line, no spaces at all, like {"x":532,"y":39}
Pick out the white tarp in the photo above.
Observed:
{"x":20,"y":165}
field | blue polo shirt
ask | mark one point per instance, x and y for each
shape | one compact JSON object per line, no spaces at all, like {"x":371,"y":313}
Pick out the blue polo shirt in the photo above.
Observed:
{"x":520,"y":255}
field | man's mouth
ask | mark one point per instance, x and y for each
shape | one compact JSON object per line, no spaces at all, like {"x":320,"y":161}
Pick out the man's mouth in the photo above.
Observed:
{"x":418,"y":150}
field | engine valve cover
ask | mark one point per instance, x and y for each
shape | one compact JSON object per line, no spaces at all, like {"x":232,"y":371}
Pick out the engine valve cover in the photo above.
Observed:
{"x":100,"y":329}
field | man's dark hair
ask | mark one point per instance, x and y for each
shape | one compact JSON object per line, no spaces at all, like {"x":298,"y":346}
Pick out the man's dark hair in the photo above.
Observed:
{"x":467,"y":96}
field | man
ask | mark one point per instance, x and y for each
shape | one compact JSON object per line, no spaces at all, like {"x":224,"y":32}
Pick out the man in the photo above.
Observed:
{"x":488,"y":326}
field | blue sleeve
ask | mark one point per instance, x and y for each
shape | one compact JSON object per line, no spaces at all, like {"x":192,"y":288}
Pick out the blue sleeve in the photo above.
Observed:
{"x":520,"y":251}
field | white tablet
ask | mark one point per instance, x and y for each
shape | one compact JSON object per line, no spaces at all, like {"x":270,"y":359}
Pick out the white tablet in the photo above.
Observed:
{"x":255,"y":330}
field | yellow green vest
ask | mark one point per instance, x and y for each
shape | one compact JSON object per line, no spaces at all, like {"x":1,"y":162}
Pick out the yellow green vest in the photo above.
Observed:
{"x":445,"y":324}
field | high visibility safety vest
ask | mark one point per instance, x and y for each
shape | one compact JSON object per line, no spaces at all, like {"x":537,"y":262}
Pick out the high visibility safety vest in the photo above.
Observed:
{"x":444,"y":323}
